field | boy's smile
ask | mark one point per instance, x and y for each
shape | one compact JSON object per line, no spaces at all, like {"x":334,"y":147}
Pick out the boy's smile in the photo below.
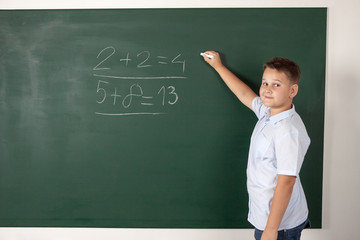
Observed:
{"x":276,"y":91}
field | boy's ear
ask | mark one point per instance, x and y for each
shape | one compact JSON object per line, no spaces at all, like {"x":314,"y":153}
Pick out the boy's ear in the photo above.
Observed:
{"x":294,"y":90}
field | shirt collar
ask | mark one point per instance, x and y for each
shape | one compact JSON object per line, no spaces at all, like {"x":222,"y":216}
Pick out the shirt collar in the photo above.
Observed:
{"x":280,"y":116}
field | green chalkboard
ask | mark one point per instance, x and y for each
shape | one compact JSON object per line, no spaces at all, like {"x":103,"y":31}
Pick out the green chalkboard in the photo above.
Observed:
{"x":111,"y":118}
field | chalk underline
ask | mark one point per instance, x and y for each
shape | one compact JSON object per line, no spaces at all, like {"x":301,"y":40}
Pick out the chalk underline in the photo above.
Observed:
{"x":137,"y":78}
{"x":129,"y":114}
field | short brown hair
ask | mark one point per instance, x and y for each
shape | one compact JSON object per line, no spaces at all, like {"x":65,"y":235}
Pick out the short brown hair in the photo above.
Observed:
{"x":290,"y":68}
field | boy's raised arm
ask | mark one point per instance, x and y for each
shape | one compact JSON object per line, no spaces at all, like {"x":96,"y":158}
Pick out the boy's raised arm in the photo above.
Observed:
{"x":242,"y":91}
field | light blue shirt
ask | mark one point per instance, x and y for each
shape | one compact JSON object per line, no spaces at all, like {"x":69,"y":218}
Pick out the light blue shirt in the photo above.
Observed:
{"x":278,"y":146}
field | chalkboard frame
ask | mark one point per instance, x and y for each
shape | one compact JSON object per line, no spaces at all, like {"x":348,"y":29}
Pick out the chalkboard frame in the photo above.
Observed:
{"x":53,"y":107}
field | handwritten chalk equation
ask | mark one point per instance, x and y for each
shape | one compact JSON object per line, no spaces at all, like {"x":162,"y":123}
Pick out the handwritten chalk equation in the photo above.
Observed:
{"x":134,"y":98}
{"x":136,"y":91}
{"x":142,"y":59}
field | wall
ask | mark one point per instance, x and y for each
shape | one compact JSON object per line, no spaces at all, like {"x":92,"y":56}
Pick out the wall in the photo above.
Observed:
{"x":341,"y":164}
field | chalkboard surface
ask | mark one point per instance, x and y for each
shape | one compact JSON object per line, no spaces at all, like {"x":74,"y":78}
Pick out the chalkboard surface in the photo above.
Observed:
{"x":110,"y":118}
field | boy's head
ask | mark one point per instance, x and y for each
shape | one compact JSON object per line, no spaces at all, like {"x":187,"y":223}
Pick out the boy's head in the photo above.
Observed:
{"x":279,"y":84}
{"x":290,"y":68}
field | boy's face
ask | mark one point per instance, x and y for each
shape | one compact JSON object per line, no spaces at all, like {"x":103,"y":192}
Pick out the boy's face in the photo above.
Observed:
{"x":276,"y":91}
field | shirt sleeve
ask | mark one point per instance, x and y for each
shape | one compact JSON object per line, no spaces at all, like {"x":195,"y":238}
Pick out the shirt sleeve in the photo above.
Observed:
{"x":258,"y":107}
{"x":290,"y":152}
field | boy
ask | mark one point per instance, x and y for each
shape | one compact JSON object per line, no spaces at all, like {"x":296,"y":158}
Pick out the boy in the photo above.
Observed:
{"x":277,"y":203}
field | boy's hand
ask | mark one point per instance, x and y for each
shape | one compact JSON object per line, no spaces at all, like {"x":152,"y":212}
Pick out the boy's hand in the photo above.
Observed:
{"x":214,"y":62}
{"x":269,"y":235}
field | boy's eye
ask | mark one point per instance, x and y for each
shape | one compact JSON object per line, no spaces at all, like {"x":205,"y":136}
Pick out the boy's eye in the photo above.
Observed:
{"x":277,"y":85}
{"x":265,"y":84}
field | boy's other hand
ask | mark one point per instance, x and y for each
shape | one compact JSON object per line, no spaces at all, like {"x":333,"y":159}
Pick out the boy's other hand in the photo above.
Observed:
{"x":269,"y":235}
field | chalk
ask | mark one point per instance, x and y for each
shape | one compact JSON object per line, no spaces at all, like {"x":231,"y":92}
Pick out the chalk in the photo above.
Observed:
{"x":208,"y":55}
